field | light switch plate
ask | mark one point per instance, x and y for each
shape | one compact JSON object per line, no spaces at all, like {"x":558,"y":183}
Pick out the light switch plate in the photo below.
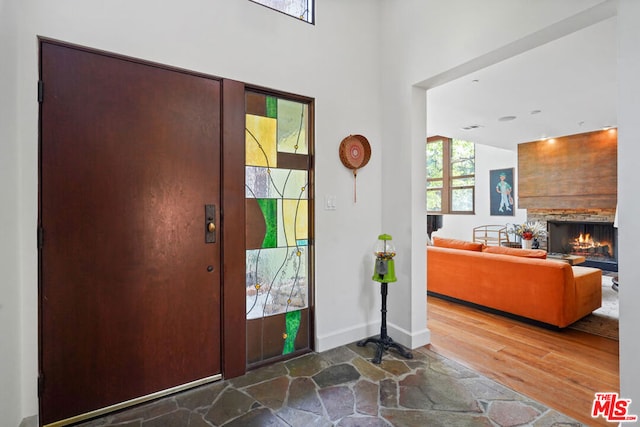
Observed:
{"x":330,"y":203}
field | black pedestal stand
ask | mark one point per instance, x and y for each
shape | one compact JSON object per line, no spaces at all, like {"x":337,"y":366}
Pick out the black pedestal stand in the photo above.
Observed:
{"x":384,"y":341}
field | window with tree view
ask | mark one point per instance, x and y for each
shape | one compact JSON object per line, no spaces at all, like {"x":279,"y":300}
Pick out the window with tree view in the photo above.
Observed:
{"x":301,"y":9}
{"x":450,"y":176}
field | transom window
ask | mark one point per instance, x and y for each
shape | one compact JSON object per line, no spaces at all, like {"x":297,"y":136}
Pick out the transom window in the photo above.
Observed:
{"x":450,"y":176}
{"x":301,"y":9}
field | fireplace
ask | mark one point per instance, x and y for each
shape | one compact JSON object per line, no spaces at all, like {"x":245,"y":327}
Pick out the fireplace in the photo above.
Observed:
{"x":596,"y":241}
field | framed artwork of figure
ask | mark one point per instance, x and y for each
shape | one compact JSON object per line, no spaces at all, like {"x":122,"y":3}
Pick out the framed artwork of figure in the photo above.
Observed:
{"x":502,"y":192}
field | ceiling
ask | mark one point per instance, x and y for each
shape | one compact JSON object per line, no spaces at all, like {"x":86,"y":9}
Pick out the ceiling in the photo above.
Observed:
{"x":563,"y":87}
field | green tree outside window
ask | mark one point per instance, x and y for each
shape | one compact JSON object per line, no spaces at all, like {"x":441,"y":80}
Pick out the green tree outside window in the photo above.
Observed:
{"x":450,"y":176}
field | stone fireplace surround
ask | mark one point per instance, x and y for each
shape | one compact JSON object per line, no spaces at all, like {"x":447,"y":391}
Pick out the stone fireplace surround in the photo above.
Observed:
{"x":583,"y":194}
{"x":570,"y":215}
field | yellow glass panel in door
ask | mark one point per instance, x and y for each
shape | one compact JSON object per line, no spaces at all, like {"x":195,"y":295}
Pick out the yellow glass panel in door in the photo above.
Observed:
{"x":261,"y":141}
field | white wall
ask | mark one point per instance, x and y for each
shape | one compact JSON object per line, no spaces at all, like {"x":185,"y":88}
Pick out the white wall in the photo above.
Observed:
{"x":628,"y":202}
{"x":422,"y":39}
{"x":361,"y":62}
{"x":421,"y":44}
{"x":335,"y":61}
{"x":487,"y":158}
{"x":10,"y":399}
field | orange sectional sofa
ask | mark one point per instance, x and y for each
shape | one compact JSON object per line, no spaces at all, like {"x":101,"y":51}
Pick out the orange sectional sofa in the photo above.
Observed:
{"x":517,"y":282}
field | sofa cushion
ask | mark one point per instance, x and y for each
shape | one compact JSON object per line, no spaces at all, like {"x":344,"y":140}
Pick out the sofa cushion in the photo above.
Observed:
{"x":527,"y":253}
{"x":443,"y":242}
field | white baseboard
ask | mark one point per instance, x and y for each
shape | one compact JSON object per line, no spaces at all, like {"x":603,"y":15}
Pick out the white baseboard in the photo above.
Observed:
{"x":349,"y":335}
{"x":407,"y":339}
{"x":345,"y":336}
{"x":31,"y":421}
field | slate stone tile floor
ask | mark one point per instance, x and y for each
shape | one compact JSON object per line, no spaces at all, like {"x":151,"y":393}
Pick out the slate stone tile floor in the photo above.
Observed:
{"x":342,"y":388}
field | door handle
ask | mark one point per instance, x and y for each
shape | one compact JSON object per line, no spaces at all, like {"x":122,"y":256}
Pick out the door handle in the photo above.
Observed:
{"x":209,"y":223}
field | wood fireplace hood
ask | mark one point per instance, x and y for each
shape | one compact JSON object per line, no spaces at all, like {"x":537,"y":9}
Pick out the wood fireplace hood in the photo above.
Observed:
{"x":571,"y":172}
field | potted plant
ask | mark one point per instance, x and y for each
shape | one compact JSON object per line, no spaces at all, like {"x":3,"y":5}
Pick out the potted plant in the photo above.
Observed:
{"x":527,"y":232}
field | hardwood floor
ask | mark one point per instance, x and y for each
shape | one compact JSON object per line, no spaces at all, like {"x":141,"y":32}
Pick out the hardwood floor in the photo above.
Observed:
{"x":561,"y":369}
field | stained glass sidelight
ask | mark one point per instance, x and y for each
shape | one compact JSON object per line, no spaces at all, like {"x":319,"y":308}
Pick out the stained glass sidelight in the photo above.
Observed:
{"x":277,"y":236}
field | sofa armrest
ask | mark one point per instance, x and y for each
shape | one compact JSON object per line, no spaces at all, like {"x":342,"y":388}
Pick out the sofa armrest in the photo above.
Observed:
{"x":588,"y":288}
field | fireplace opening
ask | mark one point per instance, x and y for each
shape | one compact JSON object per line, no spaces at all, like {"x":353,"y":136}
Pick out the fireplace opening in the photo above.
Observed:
{"x":596,"y":241}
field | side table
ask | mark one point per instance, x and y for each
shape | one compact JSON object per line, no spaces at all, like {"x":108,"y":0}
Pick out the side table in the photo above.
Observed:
{"x":569,"y":259}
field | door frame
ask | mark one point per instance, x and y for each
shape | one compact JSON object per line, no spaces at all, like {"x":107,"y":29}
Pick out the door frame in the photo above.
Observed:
{"x":232,"y":215}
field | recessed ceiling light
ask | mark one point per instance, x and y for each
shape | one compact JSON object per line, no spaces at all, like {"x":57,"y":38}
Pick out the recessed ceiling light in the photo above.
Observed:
{"x":506,"y":118}
{"x":475,"y":81}
{"x":471,"y":127}
{"x":536,"y":111}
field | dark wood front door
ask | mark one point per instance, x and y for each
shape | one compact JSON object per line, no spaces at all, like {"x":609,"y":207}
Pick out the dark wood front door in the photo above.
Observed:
{"x":129,"y":287}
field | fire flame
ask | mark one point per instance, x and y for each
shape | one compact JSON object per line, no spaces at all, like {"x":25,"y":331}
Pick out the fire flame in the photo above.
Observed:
{"x":584,"y":244}
{"x":584,"y":239}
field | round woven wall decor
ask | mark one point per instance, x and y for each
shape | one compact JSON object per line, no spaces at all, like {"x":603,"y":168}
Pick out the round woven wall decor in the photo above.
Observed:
{"x":355,"y":153}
